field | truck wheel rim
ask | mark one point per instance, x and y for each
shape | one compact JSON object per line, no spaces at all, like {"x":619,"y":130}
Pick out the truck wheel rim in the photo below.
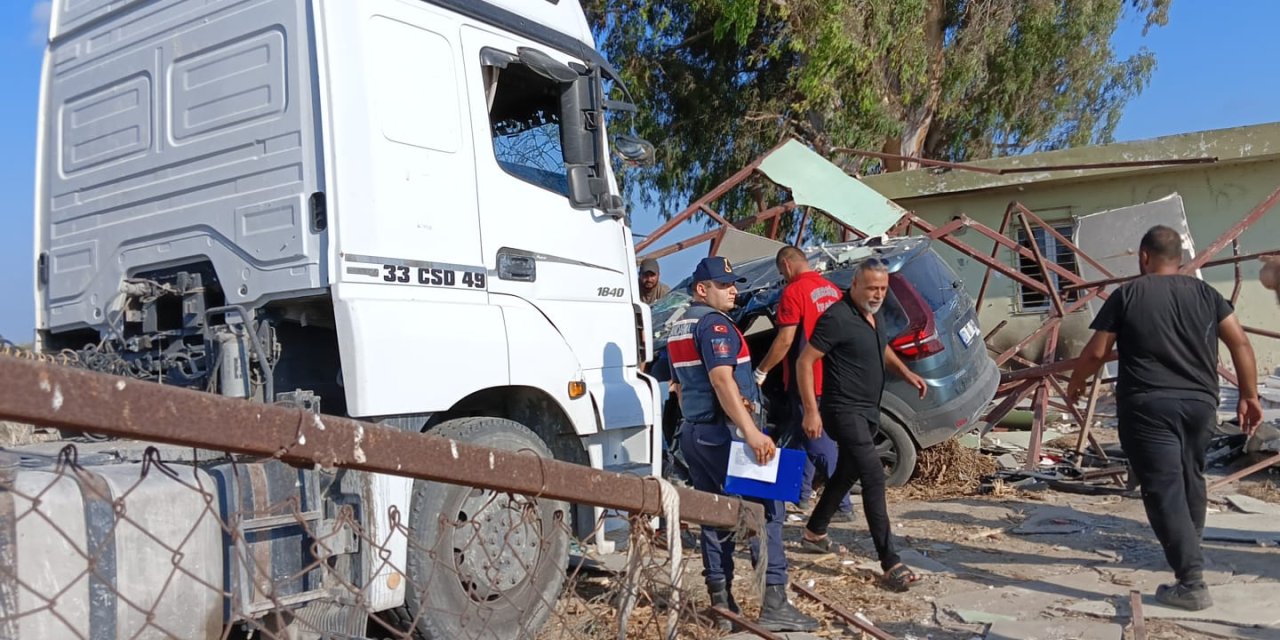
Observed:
{"x":496,"y":543}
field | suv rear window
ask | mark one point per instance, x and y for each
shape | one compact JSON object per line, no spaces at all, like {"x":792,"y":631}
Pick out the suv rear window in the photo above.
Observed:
{"x":929,"y":275}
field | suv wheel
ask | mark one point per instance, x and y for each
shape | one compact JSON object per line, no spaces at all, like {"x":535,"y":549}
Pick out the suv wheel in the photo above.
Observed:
{"x":897,"y":451}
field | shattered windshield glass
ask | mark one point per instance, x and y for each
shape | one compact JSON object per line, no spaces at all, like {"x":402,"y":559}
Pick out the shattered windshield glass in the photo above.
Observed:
{"x":760,"y":293}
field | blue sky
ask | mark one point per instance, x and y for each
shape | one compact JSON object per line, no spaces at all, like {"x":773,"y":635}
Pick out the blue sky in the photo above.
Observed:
{"x":1213,"y":72}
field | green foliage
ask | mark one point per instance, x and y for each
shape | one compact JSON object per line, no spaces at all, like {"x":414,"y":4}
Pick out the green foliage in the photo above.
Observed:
{"x":720,"y":82}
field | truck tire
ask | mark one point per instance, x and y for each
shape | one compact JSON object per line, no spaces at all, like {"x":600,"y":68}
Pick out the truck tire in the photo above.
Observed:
{"x":897,"y":451}
{"x":483,"y":564}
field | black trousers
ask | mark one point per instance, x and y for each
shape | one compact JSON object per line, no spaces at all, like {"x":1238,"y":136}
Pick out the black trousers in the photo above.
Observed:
{"x":1165,"y":440}
{"x":857,"y":460}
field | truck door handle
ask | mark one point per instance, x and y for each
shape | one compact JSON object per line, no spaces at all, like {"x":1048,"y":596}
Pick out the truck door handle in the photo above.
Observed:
{"x":521,"y":268}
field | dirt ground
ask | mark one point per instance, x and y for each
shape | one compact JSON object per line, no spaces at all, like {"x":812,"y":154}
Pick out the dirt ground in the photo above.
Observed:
{"x":1062,"y":564}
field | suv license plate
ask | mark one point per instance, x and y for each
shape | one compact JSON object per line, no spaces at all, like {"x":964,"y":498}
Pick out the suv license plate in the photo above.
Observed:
{"x":968,"y":332}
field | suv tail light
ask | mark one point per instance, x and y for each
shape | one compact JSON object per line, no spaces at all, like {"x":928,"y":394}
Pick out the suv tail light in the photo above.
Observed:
{"x":920,"y":339}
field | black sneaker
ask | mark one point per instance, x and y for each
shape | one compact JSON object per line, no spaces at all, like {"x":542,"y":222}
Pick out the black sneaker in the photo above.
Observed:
{"x":1190,"y":597}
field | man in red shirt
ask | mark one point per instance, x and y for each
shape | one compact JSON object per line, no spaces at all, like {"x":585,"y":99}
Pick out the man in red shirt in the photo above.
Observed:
{"x":805,"y":297}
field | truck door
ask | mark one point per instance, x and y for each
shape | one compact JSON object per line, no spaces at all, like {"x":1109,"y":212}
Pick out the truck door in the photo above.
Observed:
{"x":411,"y":288}
{"x":573,"y":264}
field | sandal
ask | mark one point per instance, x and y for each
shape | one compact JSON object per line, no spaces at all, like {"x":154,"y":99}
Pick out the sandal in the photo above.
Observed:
{"x":821,"y":545}
{"x":900,"y":578}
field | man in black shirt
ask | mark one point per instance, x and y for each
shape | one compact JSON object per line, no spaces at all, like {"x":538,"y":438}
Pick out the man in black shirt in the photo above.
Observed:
{"x":1167,"y":328}
{"x":850,"y":341}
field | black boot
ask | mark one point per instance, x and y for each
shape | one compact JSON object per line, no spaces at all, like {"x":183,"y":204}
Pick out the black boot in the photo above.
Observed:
{"x":777,"y":614}
{"x":722,"y":596}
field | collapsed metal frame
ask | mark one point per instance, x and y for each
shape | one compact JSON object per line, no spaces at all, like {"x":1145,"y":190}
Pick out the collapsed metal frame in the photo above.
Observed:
{"x":1045,"y":381}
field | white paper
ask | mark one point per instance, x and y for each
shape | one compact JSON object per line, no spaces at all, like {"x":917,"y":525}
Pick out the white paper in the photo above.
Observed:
{"x":742,"y":464}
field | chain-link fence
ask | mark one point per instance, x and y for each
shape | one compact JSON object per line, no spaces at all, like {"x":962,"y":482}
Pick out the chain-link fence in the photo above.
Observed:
{"x":94,"y":545}
{"x":306,"y":526}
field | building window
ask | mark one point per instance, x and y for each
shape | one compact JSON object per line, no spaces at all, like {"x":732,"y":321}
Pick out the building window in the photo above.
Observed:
{"x":1030,"y":300}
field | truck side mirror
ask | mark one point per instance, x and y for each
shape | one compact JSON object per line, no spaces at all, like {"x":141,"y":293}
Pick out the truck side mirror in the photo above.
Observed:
{"x":580,"y":119}
{"x":633,"y":149}
{"x":579,"y":141}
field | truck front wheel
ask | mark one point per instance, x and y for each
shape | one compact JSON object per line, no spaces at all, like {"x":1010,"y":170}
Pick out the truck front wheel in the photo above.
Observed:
{"x":483,"y":564}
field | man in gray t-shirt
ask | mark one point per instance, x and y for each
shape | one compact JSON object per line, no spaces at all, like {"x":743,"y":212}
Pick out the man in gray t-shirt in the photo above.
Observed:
{"x":1166,"y":327}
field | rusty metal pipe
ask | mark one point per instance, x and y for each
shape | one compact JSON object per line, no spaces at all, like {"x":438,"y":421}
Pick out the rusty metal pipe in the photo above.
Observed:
{"x":1060,"y":366}
{"x":56,"y":396}
{"x":1063,"y":240}
{"x":863,"y":625}
{"x":746,"y":624}
{"x":1135,"y":611}
{"x":995,"y":251}
{"x":1212,"y":263}
{"x":1042,"y":264}
{"x":1262,"y":332}
{"x":1110,"y":165}
{"x":1259,"y":466}
{"x":709,"y":235}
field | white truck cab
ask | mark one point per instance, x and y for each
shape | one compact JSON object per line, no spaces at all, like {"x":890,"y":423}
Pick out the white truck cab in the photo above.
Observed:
{"x":396,"y":210}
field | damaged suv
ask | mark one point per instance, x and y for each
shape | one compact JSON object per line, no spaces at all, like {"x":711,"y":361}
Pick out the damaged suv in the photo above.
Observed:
{"x":931,"y":323}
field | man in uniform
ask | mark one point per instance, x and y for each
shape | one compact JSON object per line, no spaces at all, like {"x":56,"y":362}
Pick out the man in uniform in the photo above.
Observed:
{"x":1167,"y":327}
{"x":719,"y":399}
{"x":651,"y":287}
{"x":806,"y":296}
{"x":850,"y":340}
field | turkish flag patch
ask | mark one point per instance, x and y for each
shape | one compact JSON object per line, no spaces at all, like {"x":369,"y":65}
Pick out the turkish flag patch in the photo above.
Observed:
{"x":719,"y":328}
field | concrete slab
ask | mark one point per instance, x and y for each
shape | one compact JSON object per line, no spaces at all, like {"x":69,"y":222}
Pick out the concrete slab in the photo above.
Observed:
{"x":1014,"y":602}
{"x":1236,"y":604}
{"x":1154,"y":571}
{"x":1055,"y":630}
{"x":969,"y":616}
{"x":921,"y":564}
{"x":1097,"y":608}
{"x":1246,"y":504}
{"x":1007,"y":461}
{"x":1242,"y":527}
{"x":1226,"y":631}
{"x":1054,"y":520}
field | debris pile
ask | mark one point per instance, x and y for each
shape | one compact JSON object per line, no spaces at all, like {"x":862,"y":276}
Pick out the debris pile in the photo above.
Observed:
{"x":948,"y":469}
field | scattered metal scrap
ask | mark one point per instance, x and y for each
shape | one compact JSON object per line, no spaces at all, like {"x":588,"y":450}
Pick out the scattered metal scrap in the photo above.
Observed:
{"x":1043,"y":382}
{"x":1221,"y":482}
{"x":858,"y":621}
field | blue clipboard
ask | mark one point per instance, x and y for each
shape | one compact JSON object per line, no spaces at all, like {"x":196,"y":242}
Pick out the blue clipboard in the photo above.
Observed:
{"x":787,"y":486}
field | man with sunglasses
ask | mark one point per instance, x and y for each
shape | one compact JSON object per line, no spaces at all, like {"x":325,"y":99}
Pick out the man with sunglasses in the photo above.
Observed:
{"x":719,"y":398}
{"x":850,"y":341}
